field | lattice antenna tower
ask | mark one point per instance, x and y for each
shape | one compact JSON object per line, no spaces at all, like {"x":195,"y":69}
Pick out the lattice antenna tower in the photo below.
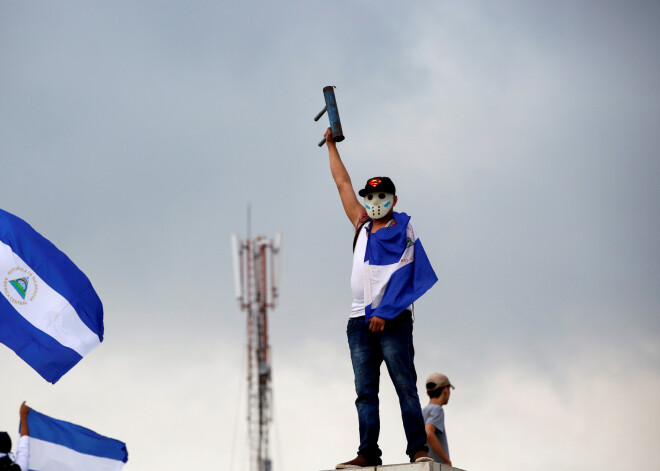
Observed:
{"x":256,"y":281}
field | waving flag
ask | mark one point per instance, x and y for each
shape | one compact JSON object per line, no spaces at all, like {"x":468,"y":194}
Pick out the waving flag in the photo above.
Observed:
{"x":397,"y":270}
{"x":56,"y":445}
{"x":50,"y":315}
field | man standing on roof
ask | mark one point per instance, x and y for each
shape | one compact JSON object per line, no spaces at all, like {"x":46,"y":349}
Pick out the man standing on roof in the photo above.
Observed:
{"x":390,"y":272}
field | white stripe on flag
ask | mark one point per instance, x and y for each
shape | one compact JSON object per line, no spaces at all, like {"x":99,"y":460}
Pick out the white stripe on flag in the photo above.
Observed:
{"x":52,"y":457}
{"x":49,"y":311}
{"x":376,"y":277}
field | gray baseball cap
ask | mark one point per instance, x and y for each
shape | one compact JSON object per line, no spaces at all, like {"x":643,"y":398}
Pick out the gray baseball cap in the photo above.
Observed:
{"x":437,"y":380}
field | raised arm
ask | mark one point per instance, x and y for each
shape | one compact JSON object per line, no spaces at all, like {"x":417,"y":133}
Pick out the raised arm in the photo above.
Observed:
{"x":352,"y":206}
{"x":23,"y":413}
{"x":23,"y":450}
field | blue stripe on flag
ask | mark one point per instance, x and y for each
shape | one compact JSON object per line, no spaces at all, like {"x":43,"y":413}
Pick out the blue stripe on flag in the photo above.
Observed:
{"x":75,"y":437}
{"x":41,"y":351}
{"x":386,"y":245}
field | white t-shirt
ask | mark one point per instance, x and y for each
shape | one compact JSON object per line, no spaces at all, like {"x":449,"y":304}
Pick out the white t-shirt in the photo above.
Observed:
{"x":357,"y":275}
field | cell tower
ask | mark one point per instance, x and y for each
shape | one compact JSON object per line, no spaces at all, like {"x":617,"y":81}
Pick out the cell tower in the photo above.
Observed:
{"x":256,"y":280}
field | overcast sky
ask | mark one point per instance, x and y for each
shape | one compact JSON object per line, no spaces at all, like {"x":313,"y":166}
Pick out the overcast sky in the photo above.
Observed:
{"x":523,"y":140}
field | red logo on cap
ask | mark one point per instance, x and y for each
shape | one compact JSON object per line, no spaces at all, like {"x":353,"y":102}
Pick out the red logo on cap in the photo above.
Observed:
{"x":374,"y":182}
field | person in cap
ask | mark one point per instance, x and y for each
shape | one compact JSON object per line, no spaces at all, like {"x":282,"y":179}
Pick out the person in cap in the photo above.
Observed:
{"x":439,"y":389}
{"x":19,"y":462}
{"x":390,"y":271}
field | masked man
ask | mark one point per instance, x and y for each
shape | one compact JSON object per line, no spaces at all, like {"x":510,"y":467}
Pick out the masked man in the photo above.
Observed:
{"x":390,"y":272}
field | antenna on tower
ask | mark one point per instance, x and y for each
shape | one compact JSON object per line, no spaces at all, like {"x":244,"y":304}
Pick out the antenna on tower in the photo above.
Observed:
{"x":256,"y":283}
{"x":237,"y":253}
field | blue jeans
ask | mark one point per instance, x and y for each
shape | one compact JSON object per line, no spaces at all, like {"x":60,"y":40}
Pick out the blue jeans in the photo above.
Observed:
{"x":394,"y":345}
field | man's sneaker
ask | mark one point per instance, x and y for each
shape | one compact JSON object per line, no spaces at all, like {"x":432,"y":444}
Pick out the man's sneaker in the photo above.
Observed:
{"x":359,"y":462}
{"x":421,"y":456}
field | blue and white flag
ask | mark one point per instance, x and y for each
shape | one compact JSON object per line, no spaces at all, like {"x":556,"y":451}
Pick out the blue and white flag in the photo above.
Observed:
{"x":50,"y":314}
{"x":397,"y":271}
{"x":56,"y":445}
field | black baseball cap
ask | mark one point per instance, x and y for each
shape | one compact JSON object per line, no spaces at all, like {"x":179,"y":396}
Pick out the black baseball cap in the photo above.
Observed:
{"x":5,"y":442}
{"x":377,"y":184}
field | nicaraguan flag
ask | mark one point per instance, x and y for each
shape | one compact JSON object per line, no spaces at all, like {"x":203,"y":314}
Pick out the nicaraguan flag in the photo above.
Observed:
{"x":50,"y":314}
{"x":56,"y":445}
{"x":397,"y":271}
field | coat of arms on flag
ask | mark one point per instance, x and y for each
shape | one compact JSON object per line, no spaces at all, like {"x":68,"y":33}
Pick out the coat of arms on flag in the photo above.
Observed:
{"x":20,"y":285}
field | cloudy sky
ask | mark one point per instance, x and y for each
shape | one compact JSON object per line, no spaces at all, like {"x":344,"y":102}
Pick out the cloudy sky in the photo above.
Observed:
{"x":523,"y":139}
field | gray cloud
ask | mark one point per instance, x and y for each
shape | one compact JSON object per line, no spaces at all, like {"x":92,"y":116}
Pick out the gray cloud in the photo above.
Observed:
{"x":521,"y":138}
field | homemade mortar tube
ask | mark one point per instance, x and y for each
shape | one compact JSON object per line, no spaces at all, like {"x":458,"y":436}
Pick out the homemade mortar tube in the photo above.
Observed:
{"x":333,"y":115}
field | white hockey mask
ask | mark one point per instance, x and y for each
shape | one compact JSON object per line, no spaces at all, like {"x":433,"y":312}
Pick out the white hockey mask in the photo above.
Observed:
{"x":378,"y":204}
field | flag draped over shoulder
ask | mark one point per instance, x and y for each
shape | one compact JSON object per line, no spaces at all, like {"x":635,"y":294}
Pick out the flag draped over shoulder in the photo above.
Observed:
{"x":397,"y":270}
{"x":50,"y":315}
{"x":56,"y":445}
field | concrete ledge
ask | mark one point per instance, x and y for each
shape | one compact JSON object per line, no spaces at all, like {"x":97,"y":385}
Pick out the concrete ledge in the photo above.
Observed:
{"x":426,"y":466}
